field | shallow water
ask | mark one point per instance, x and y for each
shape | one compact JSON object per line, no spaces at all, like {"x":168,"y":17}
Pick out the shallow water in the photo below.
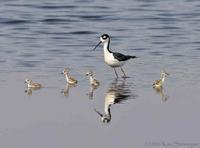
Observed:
{"x":39,"y":38}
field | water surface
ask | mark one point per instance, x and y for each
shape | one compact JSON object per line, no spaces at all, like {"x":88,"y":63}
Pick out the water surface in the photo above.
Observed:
{"x":39,"y":38}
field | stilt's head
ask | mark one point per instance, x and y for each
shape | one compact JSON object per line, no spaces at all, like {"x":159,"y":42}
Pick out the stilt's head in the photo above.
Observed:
{"x":103,"y":39}
{"x":28,"y":81}
{"x":89,"y":73}
{"x":104,"y":118}
{"x":164,"y":74}
{"x":65,"y":71}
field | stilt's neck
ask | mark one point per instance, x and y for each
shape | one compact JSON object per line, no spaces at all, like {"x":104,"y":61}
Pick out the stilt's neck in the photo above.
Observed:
{"x":67,"y":77}
{"x":106,"y":46}
{"x":107,"y":115}
{"x":107,"y":111}
{"x":91,"y":79}
{"x":163,"y":78}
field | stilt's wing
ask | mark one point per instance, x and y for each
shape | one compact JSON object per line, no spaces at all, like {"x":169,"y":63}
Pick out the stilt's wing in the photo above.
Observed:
{"x":121,"y":57}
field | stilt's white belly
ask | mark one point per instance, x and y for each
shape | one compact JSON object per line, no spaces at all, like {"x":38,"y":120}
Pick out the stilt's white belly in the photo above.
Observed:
{"x":111,"y":61}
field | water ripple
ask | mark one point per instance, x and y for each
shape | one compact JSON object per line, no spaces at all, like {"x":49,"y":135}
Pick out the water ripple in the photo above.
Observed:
{"x":93,"y":17}
{"x":139,"y":49}
{"x":57,"y":20}
{"x":82,"y":32}
{"x":27,"y":64}
{"x":14,"y":21}
{"x":165,"y":27}
{"x":177,"y":55}
{"x":48,"y":6}
{"x":156,"y":53}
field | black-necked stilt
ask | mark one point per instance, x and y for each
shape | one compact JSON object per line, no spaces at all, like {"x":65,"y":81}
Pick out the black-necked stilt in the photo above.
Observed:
{"x":116,"y":94}
{"x":93,"y":84}
{"x":30,"y":84}
{"x":67,"y":88}
{"x":65,"y":91}
{"x":90,"y":94}
{"x":113,"y":59}
{"x":159,"y":83}
{"x":93,"y":81}
{"x":161,"y":92}
{"x":69,"y":79}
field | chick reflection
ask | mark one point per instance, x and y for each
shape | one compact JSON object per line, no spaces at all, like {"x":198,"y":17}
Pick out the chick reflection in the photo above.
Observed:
{"x":30,"y":90}
{"x":118,"y":92}
{"x":91,"y":92}
{"x":67,"y":88}
{"x":162,"y":94}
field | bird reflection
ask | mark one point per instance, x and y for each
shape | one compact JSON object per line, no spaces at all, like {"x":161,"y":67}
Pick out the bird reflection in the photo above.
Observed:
{"x":162,"y":94}
{"x":67,"y":88}
{"x":30,"y":90}
{"x":118,"y":92}
{"x":91,"y":92}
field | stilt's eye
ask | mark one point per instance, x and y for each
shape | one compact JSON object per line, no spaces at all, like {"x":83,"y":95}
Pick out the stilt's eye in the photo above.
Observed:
{"x":104,"y":36}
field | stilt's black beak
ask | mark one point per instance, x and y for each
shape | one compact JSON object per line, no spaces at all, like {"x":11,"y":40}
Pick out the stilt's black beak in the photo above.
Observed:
{"x":98,"y":113}
{"x":97,"y":45}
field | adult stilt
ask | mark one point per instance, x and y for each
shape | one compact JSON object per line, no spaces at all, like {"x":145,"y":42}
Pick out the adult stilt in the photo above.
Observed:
{"x":113,"y":59}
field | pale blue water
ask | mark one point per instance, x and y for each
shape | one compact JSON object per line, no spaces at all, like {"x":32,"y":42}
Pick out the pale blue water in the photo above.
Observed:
{"x":39,"y":38}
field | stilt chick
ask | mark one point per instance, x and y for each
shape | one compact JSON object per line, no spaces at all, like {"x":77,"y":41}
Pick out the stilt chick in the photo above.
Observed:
{"x":159,"y":83}
{"x":30,"y":84}
{"x":93,"y":81}
{"x":69,"y":79}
